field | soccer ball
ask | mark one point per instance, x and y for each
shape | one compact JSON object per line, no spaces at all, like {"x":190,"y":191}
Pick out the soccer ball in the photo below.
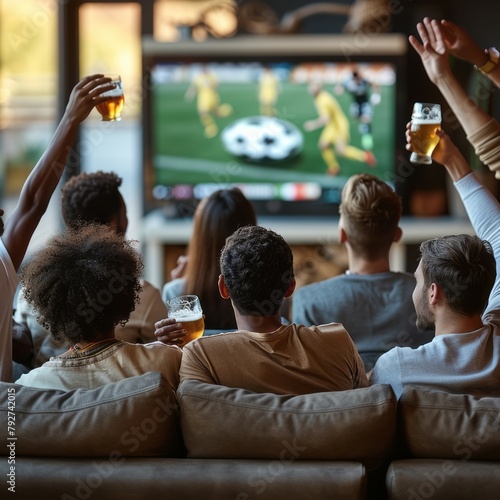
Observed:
{"x":262,"y":139}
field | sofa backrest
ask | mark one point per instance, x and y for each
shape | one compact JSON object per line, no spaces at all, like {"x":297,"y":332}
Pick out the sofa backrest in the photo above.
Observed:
{"x":223,"y":422}
{"x":436,"y":424}
{"x":137,"y":416}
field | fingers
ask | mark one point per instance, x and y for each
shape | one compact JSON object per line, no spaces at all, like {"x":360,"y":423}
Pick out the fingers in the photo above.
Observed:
{"x":93,"y":86}
{"x":101,"y":89}
{"x":408,"y":137}
{"x":439,"y":43}
{"x":169,"y":331}
{"x":441,"y":134}
{"x":416,"y":45}
{"x":430,"y":32}
{"x":422,"y":31}
{"x":87,"y":79}
{"x":450,"y":26}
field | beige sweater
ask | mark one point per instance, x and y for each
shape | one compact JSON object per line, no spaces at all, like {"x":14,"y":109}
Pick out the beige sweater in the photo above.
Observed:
{"x":486,"y":142}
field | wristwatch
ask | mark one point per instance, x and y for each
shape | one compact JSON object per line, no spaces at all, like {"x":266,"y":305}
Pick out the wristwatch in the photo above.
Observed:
{"x":492,"y":62}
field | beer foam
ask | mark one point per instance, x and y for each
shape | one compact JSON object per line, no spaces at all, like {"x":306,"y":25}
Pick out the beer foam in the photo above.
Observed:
{"x":113,"y":92}
{"x":421,"y":121}
{"x":187,"y":316}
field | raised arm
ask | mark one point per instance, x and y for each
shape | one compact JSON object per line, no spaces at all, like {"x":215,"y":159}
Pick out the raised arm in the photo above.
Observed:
{"x":43,"y":179}
{"x":482,"y":207}
{"x":434,"y":54}
{"x":461,"y":45}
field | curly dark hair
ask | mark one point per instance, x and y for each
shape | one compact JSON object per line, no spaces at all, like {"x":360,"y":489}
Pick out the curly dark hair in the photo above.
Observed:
{"x":464,"y":267}
{"x":83,"y":283}
{"x":90,"y":198}
{"x":257,"y":266}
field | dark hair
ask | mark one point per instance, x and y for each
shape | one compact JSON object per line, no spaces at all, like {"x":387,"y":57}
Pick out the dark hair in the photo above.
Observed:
{"x":370,"y":212}
{"x":257,"y":266}
{"x":91,"y":198}
{"x":464,"y":267}
{"x":216,"y":217}
{"x":83,"y":283}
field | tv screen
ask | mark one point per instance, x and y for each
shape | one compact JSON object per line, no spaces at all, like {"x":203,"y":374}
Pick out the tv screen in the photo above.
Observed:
{"x":287,"y":129}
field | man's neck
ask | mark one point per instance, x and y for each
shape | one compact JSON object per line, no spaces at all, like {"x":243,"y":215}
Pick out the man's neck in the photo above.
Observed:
{"x":359,"y":265}
{"x":259,"y":324}
{"x":452,"y":323}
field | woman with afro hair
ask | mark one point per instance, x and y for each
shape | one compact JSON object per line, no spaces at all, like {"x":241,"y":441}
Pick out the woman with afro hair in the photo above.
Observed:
{"x":82,"y":284}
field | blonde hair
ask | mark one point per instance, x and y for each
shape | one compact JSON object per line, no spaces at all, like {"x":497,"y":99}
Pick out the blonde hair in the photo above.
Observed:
{"x":370,"y":211}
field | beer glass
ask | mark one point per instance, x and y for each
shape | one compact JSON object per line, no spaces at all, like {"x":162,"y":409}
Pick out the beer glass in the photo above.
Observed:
{"x":111,"y":108}
{"x":186,"y":309}
{"x":425,"y":120}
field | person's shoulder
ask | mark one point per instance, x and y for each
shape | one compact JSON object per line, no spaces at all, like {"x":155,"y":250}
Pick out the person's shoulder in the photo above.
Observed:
{"x":156,"y":348}
{"x":148,"y":289}
{"x":337,"y":329}
{"x":6,"y":259}
{"x":319,"y":286}
{"x":173,"y":288}
{"x":214,"y":339}
{"x":402,"y":278}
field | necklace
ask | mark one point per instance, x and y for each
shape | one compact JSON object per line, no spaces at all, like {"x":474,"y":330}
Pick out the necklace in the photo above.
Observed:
{"x":92,"y":347}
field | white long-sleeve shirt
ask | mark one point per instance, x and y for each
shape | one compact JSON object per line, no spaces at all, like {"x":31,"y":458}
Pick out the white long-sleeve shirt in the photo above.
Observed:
{"x":457,"y":362}
{"x":8,"y":285}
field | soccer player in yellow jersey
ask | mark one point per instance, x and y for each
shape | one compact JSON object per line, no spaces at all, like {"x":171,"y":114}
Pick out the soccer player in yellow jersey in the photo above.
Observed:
{"x":204,"y":86}
{"x":269,"y":88}
{"x":335,"y":134}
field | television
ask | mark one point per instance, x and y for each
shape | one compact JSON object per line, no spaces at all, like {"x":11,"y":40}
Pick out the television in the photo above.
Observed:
{"x":233,"y":134}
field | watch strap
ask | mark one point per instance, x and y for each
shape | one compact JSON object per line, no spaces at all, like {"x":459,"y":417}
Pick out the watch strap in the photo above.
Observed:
{"x":492,"y":62}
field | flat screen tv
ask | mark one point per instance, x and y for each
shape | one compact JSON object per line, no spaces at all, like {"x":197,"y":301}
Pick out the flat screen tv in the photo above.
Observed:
{"x":286,"y":119}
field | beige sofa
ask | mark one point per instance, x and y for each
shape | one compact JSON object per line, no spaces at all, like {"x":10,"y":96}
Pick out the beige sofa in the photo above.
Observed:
{"x":124,"y":441}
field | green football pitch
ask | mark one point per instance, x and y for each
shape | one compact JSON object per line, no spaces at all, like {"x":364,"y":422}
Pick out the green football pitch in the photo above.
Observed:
{"x":184,"y":155}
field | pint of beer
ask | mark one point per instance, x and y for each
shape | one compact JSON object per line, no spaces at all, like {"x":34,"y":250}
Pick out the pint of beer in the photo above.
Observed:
{"x":186,"y":309}
{"x":111,"y":108}
{"x":425,"y":120}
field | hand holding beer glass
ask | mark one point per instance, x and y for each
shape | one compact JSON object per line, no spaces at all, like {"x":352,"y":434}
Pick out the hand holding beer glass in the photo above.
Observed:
{"x":186,"y":309}
{"x":111,"y":108}
{"x":425,"y":120}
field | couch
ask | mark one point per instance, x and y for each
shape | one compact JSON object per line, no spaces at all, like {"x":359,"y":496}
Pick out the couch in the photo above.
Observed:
{"x":135,"y":439}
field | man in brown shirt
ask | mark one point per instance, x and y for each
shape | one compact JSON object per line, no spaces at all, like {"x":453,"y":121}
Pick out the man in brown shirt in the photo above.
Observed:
{"x":264,"y":355}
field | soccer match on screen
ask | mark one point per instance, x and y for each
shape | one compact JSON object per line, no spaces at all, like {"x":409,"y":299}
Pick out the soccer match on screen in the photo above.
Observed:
{"x":315,"y":123}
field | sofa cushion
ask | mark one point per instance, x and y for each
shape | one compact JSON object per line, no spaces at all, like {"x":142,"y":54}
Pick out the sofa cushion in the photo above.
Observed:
{"x":136,"y":416}
{"x":443,"y":479}
{"x":436,"y":424}
{"x":223,"y":422}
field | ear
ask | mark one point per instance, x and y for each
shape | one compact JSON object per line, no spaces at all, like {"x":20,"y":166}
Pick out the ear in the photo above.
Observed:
{"x":342,"y":235}
{"x":291,"y":288}
{"x":434,"y":294}
{"x":398,"y":235}
{"x":222,"y":288}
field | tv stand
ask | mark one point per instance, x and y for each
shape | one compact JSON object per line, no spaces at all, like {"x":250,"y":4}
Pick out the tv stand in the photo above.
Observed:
{"x":164,"y":239}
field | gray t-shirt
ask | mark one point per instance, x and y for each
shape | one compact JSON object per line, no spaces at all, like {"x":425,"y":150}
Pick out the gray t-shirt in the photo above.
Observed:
{"x":457,"y":362}
{"x":376,"y":309}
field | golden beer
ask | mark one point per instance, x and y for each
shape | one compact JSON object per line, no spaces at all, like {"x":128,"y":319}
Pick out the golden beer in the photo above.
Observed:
{"x":425,"y":121}
{"x":111,"y":109}
{"x":194,"y":326}
{"x":186,"y":309}
{"x":424,"y":141}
